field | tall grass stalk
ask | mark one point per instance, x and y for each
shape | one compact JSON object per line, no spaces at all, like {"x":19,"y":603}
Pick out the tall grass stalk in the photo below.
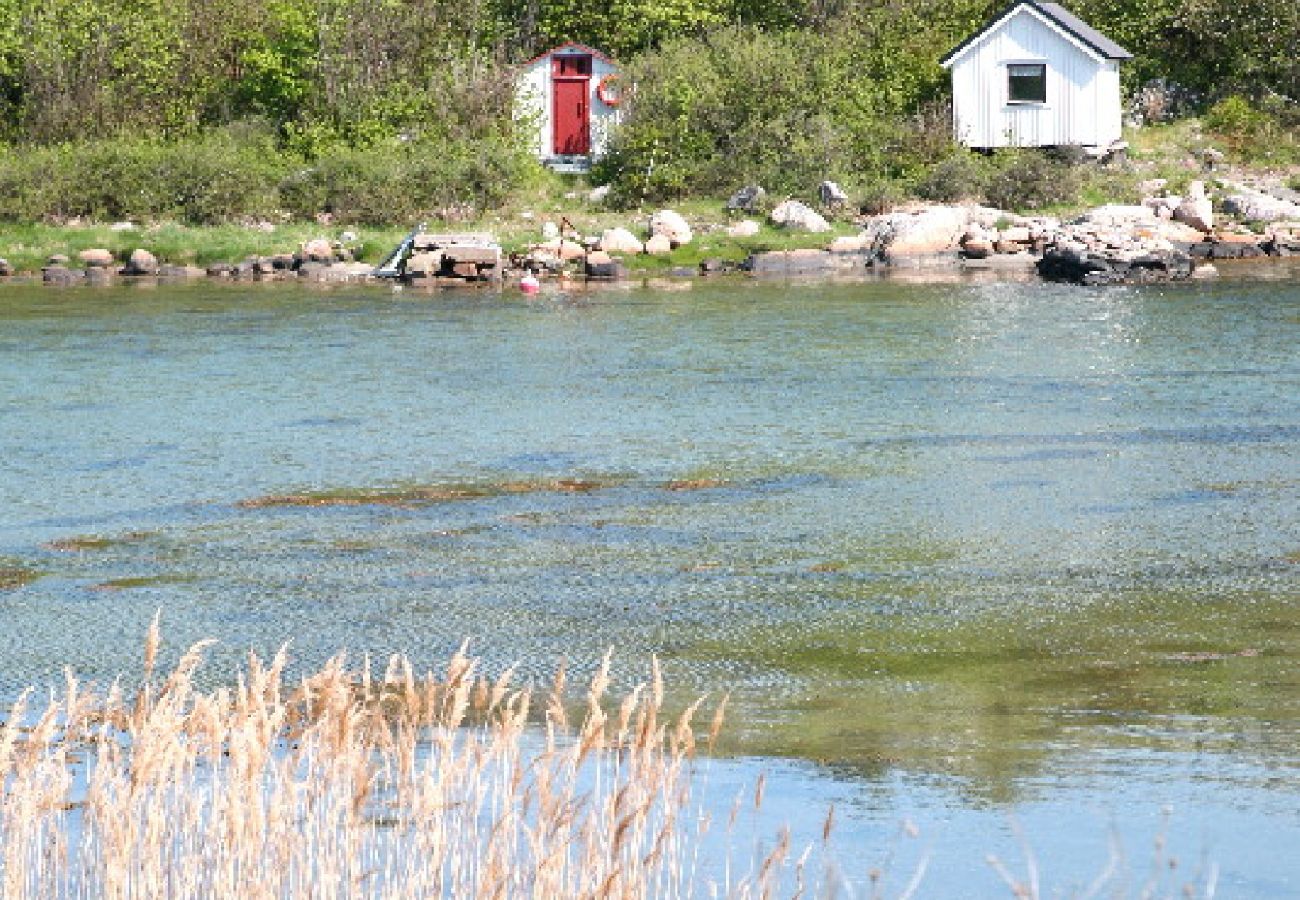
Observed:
{"x":348,"y":784}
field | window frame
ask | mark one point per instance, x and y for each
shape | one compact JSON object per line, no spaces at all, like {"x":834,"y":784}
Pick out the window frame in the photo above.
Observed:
{"x":1039,"y":64}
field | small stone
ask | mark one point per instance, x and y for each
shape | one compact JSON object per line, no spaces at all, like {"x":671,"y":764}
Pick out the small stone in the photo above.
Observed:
{"x":745,"y":228}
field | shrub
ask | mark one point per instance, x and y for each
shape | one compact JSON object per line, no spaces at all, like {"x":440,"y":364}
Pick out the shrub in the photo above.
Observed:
{"x":962,"y":176}
{"x":1029,"y":180}
{"x":1255,"y":133}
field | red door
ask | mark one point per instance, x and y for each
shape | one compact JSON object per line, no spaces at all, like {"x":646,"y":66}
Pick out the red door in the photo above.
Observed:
{"x":570,"y":106}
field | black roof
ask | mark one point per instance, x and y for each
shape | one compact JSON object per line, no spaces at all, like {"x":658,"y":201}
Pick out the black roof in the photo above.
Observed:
{"x":1063,"y":18}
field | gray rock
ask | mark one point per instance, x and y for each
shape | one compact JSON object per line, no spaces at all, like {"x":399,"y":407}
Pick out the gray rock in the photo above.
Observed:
{"x":181,"y":272}
{"x":747,"y":199}
{"x":790,"y":262}
{"x":59,"y":274}
{"x":831,"y":194}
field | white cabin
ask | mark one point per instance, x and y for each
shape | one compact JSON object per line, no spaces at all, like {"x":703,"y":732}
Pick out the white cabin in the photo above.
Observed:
{"x":571,"y":94}
{"x":1037,"y":76}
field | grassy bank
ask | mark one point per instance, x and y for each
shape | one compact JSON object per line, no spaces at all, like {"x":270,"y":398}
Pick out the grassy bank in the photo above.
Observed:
{"x":209,"y":219}
{"x":27,"y":247}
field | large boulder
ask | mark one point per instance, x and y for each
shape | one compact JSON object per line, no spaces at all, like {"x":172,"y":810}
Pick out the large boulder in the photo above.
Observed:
{"x":96,"y":258}
{"x":672,"y":226}
{"x":620,"y":240}
{"x":141,"y":262}
{"x":658,"y":244}
{"x":1257,"y":206}
{"x":1198,"y":213}
{"x":798,"y":216}
{"x":921,"y":231}
{"x":318,"y":250}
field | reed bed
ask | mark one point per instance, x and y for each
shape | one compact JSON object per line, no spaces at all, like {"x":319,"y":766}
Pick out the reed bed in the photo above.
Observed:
{"x":351,"y":784}
{"x":348,"y":784}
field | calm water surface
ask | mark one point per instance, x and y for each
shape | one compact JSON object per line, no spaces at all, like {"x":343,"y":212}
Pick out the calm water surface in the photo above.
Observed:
{"x":966,"y":554}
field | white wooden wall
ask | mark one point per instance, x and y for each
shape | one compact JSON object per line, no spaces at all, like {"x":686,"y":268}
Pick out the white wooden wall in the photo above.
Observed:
{"x":533,"y":97}
{"x":1083,"y":92}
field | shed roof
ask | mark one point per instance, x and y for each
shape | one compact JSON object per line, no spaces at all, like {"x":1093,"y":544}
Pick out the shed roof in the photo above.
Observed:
{"x":1059,"y":16}
{"x":570,"y":47}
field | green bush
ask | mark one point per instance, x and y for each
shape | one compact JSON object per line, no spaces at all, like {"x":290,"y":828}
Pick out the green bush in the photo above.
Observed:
{"x":1256,"y":133}
{"x":785,"y":110}
{"x":1031,"y":180}
{"x":962,"y":176}
{"x":403,"y":182}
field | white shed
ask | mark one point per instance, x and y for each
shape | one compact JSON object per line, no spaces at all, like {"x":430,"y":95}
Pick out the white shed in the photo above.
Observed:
{"x":571,"y":93}
{"x":1037,"y":76}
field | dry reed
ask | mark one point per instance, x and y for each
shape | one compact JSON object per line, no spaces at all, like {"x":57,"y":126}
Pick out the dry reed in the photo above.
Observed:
{"x":348,"y":784}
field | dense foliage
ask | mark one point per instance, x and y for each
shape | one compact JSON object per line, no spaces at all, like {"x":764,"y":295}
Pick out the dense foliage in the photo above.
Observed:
{"x":218,"y":109}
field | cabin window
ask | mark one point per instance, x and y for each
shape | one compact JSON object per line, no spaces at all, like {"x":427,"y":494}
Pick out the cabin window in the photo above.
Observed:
{"x":1027,"y":83}
{"x":572,"y":66}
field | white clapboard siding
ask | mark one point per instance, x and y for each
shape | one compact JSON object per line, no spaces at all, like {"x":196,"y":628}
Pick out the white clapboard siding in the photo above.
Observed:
{"x":1083,"y":89}
{"x":533,"y":99}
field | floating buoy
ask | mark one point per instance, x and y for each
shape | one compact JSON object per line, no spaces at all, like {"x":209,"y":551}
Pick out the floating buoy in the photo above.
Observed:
{"x":529,"y":284}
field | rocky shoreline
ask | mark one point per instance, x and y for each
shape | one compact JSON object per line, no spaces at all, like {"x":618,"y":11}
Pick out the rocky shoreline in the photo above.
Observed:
{"x":1165,"y":238}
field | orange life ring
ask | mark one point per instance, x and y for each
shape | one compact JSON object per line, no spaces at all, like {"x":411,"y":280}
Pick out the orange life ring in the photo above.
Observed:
{"x":603,"y":92}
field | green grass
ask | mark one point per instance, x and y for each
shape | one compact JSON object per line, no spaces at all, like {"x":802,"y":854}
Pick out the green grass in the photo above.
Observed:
{"x":517,"y":226}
